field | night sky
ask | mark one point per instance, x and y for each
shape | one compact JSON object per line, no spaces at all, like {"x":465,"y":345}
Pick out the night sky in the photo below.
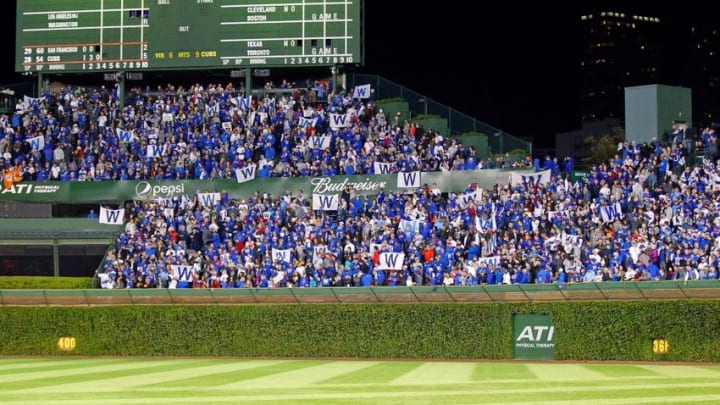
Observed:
{"x":513,"y":66}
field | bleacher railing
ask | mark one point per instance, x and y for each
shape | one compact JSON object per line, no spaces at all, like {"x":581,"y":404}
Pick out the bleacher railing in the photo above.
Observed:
{"x":458,"y":122}
{"x":646,"y":290}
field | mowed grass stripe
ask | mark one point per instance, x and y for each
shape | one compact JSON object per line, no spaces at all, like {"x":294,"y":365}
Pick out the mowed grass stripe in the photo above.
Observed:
{"x":11,"y":362}
{"x":105,"y":367}
{"x":184,"y":369}
{"x":439,"y":394}
{"x":501,"y":371}
{"x":437,"y":373}
{"x":94,"y":377}
{"x":603,"y":395}
{"x":50,"y":366}
{"x":306,"y":373}
{"x":46,"y":363}
{"x":374,"y":373}
{"x":554,"y":372}
{"x":623,"y":370}
{"x":642,"y":395}
{"x":214,"y":379}
{"x":321,"y":374}
{"x":681,"y":371}
{"x":702,"y":387}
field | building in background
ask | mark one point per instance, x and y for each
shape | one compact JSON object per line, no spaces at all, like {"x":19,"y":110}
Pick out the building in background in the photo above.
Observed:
{"x":617,"y":49}
{"x":628,"y":48}
{"x":702,"y":71}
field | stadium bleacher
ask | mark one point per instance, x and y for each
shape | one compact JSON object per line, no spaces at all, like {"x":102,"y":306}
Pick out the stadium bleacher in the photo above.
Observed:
{"x":644,"y":215}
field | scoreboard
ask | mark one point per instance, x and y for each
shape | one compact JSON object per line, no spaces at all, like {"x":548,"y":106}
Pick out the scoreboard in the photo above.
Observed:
{"x":56,"y":36}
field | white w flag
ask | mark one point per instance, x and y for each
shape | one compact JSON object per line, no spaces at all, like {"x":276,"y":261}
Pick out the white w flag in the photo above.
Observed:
{"x":320,"y":142}
{"x":242,"y":102}
{"x":391,"y":261}
{"x":326,"y":202}
{"x":307,"y":122}
{"x":340,"y":120}
{"x":251,"y":117}
{"x":281,"y":255}
{"x":530,"y":179}
{"x":246,"y":173}
{"x":362,"y":91}
{"x":227,"y":126}
{"x":465,"y":199}
{"x":610,"y":212}
{"x":125,"y":135}
{"x":182,"y":272}
{"x":28,"y":102}
{"x":112,"y":217}
{"x":494,"y":260}
{"x":37,"y":143}
{"x":153,"y":151}
{"x":319,"y":250}
{"x":408,"y":180}
{"x":209,"y":199}
{"x":485,"y":224}
{"x":382,"y":167}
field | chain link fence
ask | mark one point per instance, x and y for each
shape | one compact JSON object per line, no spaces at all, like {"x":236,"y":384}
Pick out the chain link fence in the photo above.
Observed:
{"x":458,"y":122}
{"x":646,"y":290}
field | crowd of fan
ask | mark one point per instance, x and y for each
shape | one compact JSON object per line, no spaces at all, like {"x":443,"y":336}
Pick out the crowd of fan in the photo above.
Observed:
{"x":663,"y":221}
{"x":208,"y":132}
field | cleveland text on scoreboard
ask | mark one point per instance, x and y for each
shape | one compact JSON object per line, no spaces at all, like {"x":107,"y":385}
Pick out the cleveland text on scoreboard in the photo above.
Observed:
{"x":111,"y":35}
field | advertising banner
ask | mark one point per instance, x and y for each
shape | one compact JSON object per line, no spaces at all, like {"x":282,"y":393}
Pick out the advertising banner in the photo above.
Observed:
{"x":533,"y":337}
{"x":243,"y":187}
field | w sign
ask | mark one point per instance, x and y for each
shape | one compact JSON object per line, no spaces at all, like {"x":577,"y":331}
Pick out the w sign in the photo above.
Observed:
{"x":530,"y":179}
{"x":391,"y":261}
{"x":328,"y":202}
{"x":112,"y":217}
{"x":340,"y":120}
{"x":408,"y":180}
{"x":246,"y":173}
{"x":362,"y":91}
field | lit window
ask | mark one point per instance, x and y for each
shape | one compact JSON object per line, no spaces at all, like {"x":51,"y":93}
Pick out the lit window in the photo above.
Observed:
{"x":634,"y":17}
{"x":622,"y":15}
{"x":583,"y":18}
{"x":602,"y":14}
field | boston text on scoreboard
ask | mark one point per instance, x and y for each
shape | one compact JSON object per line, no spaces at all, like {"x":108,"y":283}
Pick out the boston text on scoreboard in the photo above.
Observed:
{"x":110,"y":35}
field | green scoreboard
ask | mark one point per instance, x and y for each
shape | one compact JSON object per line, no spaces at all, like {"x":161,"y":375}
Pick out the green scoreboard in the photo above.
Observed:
{"x":111,"y":35}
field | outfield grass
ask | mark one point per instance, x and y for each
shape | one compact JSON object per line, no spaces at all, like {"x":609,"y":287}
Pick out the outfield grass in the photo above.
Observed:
{"x":109,"y":381}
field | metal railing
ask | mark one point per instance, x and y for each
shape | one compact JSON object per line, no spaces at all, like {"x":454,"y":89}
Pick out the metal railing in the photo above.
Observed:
{"x":646,"y":290}
{"x":458,"y":122}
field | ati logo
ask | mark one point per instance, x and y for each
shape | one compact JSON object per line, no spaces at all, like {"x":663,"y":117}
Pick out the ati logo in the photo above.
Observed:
{"x":536,"y":334}
{"x":17,"y":189}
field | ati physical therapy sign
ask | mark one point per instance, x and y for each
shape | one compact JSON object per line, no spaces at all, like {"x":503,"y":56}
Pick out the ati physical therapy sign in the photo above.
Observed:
{"x":533,"y":337}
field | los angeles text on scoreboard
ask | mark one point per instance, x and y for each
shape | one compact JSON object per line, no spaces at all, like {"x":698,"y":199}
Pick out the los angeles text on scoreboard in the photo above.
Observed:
{"x":110,"y":35}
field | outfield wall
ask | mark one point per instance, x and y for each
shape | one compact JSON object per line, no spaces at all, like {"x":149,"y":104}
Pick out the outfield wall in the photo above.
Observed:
{"x":613,"y":330}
